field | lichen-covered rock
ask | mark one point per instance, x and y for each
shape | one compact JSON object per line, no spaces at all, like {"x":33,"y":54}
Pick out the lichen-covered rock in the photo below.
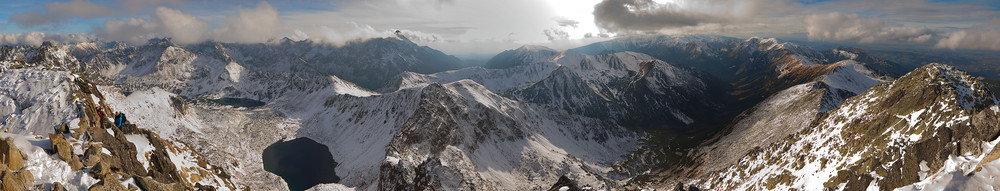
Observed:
{"x":149,"y":184}
{"x":123,"y":152}
{"x":61,"y":147}
{"x":56,"y":186}
{"x":100,"y":170}
{"x":75,"y":163}
{"x":109,"y":183}
{"x":10,"y":155}
{"x":92,"y":156}
{"x":16,"y":181}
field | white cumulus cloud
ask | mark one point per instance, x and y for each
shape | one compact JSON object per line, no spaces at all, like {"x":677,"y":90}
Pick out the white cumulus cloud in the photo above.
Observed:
{"x":37,"y":38}
{"x":179,"y":26}
{"x":982,"y":36}
{"x":255,"y":25}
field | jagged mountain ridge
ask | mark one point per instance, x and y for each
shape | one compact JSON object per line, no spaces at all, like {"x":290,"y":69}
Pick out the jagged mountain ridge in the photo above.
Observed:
{"x":632,"y":88}
{"x":221,"y":70}
{"x":524,"y":55}
{"x":368,"y":63}
{"x":746,"y":70}
{"x":622,"y":86}
{"x":557,"y":137}
{"x":755,"y":68}
{"x":876,"y":139}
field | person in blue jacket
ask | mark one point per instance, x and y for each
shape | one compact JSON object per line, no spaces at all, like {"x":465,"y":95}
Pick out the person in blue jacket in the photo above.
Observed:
{"x":119,"y":119}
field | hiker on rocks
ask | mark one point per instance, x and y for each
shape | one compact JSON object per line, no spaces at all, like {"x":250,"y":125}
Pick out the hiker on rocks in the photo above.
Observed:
{"x":100,"y":114}
{"x":119,"y":119}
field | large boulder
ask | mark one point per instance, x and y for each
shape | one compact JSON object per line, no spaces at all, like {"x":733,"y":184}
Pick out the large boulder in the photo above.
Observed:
{"x":109,"y":183}
{"x":16,"y":181}
{"x":61,"y":146}
{"x":65,"y":151}
{"x":100,"y":170}
{"x":149,"y":184}
{"x":56,"y":186}
{"x":10,"y":155}
{"x":92,"y":155}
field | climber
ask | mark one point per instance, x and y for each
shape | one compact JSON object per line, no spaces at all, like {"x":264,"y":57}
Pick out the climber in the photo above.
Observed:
{"x":119,"y":119}
{"x":100,"y":114}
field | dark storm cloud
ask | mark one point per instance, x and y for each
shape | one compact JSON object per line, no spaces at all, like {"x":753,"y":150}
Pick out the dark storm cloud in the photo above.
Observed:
{"x":646,"y":15}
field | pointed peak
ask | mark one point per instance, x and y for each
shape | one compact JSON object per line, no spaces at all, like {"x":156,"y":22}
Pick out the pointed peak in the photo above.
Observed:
{"x":969,"y":92}
{"x":938,"y":71}
{"x":534,"y":48}
{"x":165,"y":42}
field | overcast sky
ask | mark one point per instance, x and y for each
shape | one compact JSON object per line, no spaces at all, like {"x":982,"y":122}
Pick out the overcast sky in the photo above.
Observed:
{"x":490,"y":26}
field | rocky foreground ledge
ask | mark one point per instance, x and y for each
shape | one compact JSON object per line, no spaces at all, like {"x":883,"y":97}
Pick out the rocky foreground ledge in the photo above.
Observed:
{"x":91,"y":153}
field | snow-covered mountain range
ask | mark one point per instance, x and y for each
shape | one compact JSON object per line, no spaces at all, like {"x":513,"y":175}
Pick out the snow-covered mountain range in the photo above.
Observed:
{"x":635,"y":112}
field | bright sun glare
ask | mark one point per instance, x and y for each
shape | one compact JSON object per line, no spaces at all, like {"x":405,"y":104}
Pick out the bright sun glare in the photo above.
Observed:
{"x":577,"y":10}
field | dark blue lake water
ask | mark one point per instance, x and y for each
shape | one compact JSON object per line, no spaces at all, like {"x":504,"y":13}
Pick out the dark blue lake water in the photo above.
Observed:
{"x":302,"y":163}
{"x":238,"y":102}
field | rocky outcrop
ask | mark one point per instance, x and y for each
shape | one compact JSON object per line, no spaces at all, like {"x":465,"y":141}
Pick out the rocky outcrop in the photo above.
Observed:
{"x":565,"y":184}
{"x":92,"y":155}
{"x":56,"y":186}
{"x":17,"y":181}
{"x":109,"y":183}
{"x":893,"y":135}
{"x":65,"y":151}
{"x":146,"y":183}
{"x":10,"y":156}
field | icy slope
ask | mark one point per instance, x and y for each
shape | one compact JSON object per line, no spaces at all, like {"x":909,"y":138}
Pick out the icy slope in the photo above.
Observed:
{"x":780,"y":115}
{"x":630,"y":87}
{"x":876,"y":139}
{"x":36,"y":101}
{"x":466,"y":132}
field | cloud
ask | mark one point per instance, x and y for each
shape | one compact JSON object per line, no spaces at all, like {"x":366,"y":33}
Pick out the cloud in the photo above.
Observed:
{"x":37,"y":38}
{"x":255,"y":25}
{"x":914,"y":10}
{"x":79,"y":8}
{"x":982,"y":36}
{"x":566,"y":22}
{"x":345,"y":32}
{"x":649,"y":16}
{"x":181,"y":27}
{"x":59,"y":11}
{"x":418,"y":36}
{"x":358,"y":32}
{"x":556,"y":34}
{"x":32,"y":18}
{"x":837,"y":26}
{"x":137,"y":5}
{"x":133,"y":30}
{"x":646,"y":15}
{"x":28,"y":38}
